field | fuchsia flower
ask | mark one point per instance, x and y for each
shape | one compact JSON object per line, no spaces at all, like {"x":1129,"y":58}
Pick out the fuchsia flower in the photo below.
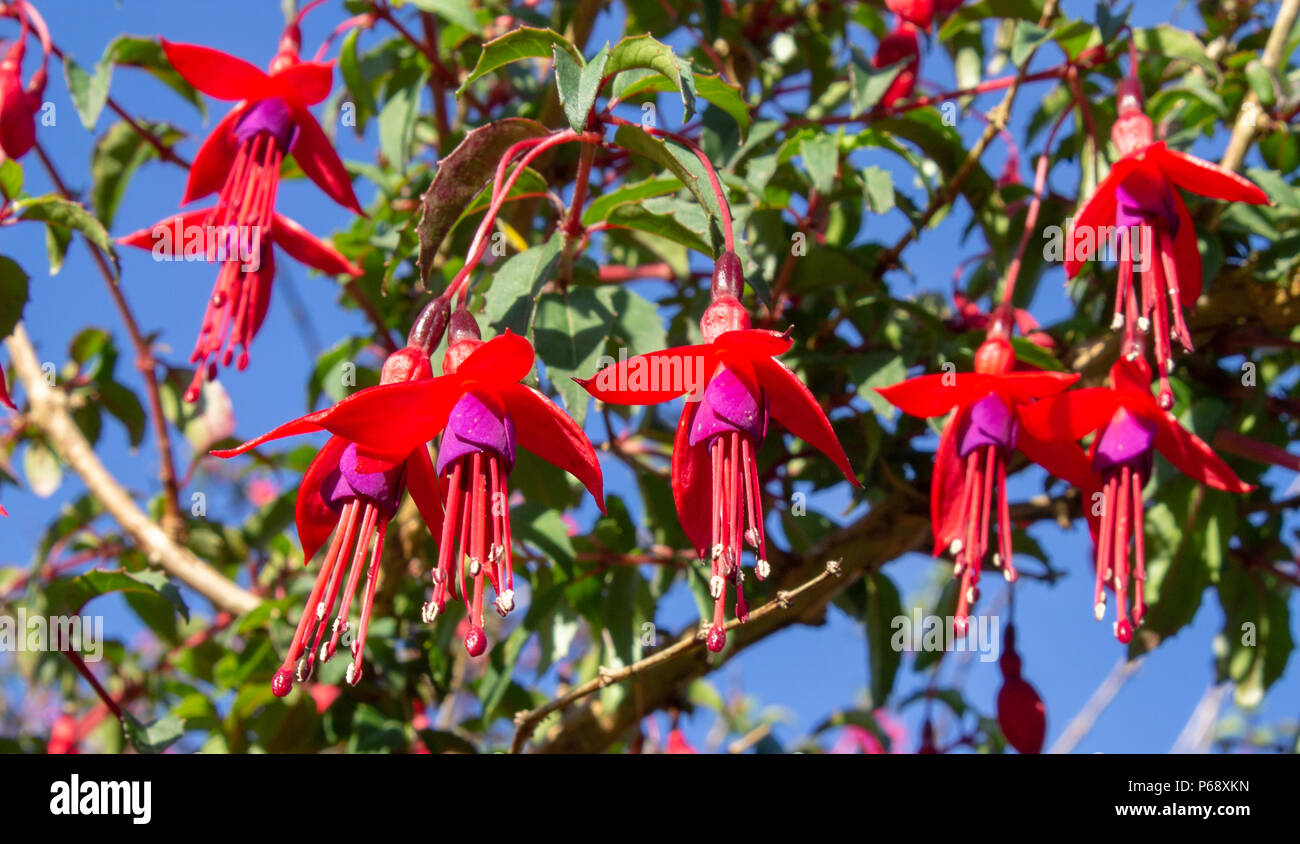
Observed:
{"x":483,"y":414}
{"x":1141,"y":194}
{"x":735,"y":382}
{"x":351,"y":495}
{"x":1131,"y":426}
{"x":241,"y":160}
{"x":969,"y":489}
{"x":242,"y":293}
{"x":900,"y":44}
{"x":19,"y":104}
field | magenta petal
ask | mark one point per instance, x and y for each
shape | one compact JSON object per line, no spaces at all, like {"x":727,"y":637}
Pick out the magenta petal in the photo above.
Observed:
{"x":1127,"y":438}
{"x":728,"y":406}
{"x":383,"y":488}
{"x":990,"y":422}
{"x":272,"y":116}
{"x":473,"y":426}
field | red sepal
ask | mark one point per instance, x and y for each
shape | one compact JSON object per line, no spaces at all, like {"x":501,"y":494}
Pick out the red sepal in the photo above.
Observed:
{"x":794,"y":406}
{"x":692,"y":480}
{"x":212,"y":165}
{"x":552,"y":435}
{"x":318,"y":160}
{"x":215,"y":73}
{"x":307,"y":248}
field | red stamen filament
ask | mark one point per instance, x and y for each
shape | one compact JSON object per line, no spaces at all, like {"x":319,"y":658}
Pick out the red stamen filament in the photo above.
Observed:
{"x":247,"y":203}
{"x":985,"y":480}
{"x":736,"y":520}
{"x":476,"y":535}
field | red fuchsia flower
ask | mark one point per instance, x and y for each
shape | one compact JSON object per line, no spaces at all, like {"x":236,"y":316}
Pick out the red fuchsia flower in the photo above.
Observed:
{"x":735,"y":382}
{"x":901,"y":44}
{"x":242,"y":293}
{"x":1021,"y":713}
{"x":241,"y":159}
{"x":1140,"y":195}
{"x":1131,"y":426}
{"x":917,"y":12}
{"x":969,"y":490}
{"x":350,"y":495}
{"x":483,"y":414}
{"x":19,"y":104}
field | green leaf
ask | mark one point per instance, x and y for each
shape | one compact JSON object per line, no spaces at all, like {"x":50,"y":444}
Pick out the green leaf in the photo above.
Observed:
{"x":118,"y":154}
{"x":397,"y":121}
{"x":89,"y":92}
{"x":1174,"y":43}
{"x":878,"y":186}
{"x":512,"y":295}
{"x":147,"y":54}
{"x":600,"y":208}
{"x":821,"y":157}
{"x":155,"y":737}
{"x":643,"y":218}
{"x":643,"y":51}
{"x":869,"y":84}
{"x":126,"y":408}
{"x":458,"y":12}
{"x":69,"y":595}
{"x":11,"y":178}
{"x":13,"y":294}
{"x":460,"y":177}
{"x":711,"y":87}
{"x":883,"y":606}
{"x":1256,"y":642}
{"x":57,"y":211}
{"x":525,"y":42}
{"x":682,"y":162}
{"x":569,"y":336}
{"x":579,"y":84}
{"x":1027,"y":38}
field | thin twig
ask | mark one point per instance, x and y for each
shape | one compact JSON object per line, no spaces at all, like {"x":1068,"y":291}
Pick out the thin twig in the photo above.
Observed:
{"x":173,"y":524}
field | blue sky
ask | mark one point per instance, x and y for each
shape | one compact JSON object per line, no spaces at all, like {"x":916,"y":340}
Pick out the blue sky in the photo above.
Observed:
{"x":806,"y":671}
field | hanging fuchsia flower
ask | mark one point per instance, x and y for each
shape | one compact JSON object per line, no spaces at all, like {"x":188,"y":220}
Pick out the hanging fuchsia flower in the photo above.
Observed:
{"x":1131,"y":426}
{"x":241,"y":161}
{"x":483,"y":414}
{"x":18,"y":103}
{"x":1140,"y":199}
{"x":242,"y":293}
{"x":1021,"y":713}
{"x":901,"y":44}
{"x":351,"y":495}
{"x":735,"y":382}
{"x":969,"y":490}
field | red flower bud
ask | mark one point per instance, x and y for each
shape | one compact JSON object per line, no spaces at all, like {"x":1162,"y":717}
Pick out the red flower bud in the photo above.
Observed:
{"x":1020,"y":711}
